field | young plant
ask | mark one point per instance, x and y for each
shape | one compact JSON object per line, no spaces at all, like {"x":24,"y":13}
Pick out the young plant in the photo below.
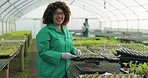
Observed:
{"x":125,"y":66}
{"x":132,"y":67}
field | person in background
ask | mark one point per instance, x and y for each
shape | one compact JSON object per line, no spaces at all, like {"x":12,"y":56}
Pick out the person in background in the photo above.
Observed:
{"x":87,"y":27}
{"x":85,"y":30}
{"x":86,"y":21}
{"x":54,"y":43}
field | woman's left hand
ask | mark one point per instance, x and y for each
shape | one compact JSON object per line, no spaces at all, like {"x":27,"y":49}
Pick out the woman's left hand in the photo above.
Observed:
{"x":77,"y":52}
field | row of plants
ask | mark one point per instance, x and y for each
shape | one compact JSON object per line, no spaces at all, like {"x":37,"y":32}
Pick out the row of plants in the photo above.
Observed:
{"x":9,"y":43}
{"x":128,"y":52}
{"x":17,"y":33}
{"x":136,"y":46}
{"x":109,"y":42}
{"x":107,"y":47}
{"x":120,"y":75}
{"x":94,"y":50}
{"x":104,"y":53}
{"x":136,"y":68}
{"x":17,"y":36}
{"x":110,"y":45}
{"x":8,"y":48}
{"x":89,"y":41}
{"x":87,"y":54}
{"x":103,"y":43}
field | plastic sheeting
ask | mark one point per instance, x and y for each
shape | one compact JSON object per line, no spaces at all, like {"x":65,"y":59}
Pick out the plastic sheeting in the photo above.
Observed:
{"x":111,"y":14}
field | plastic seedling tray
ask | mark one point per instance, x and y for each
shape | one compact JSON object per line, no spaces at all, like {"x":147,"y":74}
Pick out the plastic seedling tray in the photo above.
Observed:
{"x":89,"y":68}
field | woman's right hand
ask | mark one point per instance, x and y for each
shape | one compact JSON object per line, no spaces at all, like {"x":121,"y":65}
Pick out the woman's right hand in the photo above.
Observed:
{"x":68,"y":55}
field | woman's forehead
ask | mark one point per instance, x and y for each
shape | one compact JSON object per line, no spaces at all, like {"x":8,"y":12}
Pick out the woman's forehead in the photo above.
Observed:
{"x":58,"y":10}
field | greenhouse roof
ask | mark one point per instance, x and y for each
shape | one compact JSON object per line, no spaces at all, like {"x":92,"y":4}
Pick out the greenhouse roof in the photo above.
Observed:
{"x":105,"y":10}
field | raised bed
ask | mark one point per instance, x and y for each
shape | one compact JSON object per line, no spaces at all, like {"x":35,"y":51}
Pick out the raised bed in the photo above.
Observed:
{"x":8,"y":50}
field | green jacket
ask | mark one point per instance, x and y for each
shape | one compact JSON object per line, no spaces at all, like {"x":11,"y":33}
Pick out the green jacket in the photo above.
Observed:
{"x":51,"y":43}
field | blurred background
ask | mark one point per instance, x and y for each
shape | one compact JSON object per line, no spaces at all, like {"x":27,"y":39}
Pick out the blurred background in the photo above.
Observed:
{"x":108,"y":15}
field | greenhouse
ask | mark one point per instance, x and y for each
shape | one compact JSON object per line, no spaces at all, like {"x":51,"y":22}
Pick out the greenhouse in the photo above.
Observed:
{"x":73,"y":39}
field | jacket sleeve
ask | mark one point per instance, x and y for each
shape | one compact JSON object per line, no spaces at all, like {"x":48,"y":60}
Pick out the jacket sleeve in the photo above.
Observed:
{"x":73,"y":47}
{"x":43,"y":41}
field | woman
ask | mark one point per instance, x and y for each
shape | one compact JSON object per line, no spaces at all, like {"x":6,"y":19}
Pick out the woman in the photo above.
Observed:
{"x":54,"y":43}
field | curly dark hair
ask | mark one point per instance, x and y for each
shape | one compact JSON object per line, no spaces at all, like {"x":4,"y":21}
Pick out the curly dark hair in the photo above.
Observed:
{"x":48,"y":14}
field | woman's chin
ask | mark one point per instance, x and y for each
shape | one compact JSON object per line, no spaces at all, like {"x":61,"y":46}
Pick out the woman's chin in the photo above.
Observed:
{"x":59,"y":23}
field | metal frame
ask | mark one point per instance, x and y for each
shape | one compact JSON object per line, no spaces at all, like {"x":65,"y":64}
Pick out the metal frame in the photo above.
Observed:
{"x":21,"y":7}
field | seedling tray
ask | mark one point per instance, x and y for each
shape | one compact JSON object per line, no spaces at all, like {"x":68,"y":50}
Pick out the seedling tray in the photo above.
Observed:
{"x":89,"y":68}
{"x":128,"y":59}
{"x":130,"y":53}
{"x":12,"y":54}
{"x":93,"y":61}
{"x":112,"y":60}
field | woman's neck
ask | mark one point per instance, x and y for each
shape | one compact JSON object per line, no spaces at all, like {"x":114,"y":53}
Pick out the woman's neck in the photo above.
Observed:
{"x":58,"y":27}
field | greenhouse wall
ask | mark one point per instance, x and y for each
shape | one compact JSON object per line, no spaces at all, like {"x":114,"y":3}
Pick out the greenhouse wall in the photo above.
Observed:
{"x":33,"y":25}
{"x":77,"y":23}
{"x":4,"y":27}
{"x":0,"y":27}
{"x":126,"y":25}
{"x":36,"y":24}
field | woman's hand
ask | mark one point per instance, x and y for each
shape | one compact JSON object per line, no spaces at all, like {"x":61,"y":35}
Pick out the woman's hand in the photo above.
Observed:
{"x":77,"y":52}
{"x":68,"y":55}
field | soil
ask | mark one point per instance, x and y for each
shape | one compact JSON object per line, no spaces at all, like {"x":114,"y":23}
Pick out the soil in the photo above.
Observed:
{"x":32,"y":67}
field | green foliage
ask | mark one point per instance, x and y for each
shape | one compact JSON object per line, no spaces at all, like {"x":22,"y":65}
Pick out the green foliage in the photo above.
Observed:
{"x":17,"y":33}
{"x":95,"y":75}
{"x":89,"y":41}
{"x":140,"y":69}
{"x":8,"y":48}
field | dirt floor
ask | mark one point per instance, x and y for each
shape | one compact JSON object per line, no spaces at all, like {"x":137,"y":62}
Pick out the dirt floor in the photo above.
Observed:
{"x":32,"y":67}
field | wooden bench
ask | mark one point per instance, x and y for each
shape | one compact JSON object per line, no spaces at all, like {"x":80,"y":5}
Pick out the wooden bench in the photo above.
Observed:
{"x":4,"y":67}
{"x":4,"y":61}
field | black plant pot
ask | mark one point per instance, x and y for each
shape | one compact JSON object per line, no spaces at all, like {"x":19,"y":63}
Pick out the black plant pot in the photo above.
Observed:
{"x":144,"y":76}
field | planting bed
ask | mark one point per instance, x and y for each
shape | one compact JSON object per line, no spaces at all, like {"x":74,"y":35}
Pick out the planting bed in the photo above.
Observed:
{"x":109,"y":56}
{"x":109,"y":76}
{"x":8,"y":50}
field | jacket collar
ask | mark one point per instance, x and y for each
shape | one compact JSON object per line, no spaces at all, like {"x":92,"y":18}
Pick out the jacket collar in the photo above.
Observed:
{"x":51,"y":26}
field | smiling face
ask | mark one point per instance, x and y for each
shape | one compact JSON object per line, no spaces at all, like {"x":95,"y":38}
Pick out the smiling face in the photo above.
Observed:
{"x":58,"y":17}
